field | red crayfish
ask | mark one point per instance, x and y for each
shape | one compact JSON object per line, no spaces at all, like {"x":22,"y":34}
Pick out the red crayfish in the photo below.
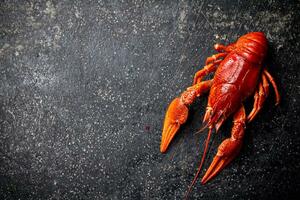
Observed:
{"x":239,"y":73}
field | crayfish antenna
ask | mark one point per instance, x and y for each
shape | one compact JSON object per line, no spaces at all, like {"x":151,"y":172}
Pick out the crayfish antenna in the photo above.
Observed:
{"x":202,"y":128}
{"x":201,"y":163}
{"x":206,"y":120}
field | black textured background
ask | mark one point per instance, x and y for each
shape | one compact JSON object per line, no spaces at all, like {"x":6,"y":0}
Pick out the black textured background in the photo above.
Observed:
{"x":84,"y":86}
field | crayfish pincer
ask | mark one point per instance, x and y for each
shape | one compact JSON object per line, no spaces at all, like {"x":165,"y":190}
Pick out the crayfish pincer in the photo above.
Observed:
{"x":239,"y":73}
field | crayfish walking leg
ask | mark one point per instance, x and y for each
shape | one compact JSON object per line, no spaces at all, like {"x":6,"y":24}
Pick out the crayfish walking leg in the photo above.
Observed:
{"x":262,"y":93}
{"x":212,"y":62}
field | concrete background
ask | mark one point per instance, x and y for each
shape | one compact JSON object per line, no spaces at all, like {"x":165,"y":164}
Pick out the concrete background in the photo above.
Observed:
{"x":84,"y":86}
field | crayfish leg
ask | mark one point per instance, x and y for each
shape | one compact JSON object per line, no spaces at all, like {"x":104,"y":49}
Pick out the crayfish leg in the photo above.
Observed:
{"x":212,"y":61}
{"x":221,"y":48}
{"x":271,"y":79}
{"x":259,"y":98}
{"x":205,"y":71}
{"x":215,"y":57}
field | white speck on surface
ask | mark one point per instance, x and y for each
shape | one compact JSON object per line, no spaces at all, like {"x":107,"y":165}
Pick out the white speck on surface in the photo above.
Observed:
{"x":182,"y":19}
{"x":50,"y":9}
{"x":77,"y":13}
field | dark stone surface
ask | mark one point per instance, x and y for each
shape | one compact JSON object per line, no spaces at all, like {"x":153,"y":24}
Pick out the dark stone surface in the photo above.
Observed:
{"x":85,"y":85}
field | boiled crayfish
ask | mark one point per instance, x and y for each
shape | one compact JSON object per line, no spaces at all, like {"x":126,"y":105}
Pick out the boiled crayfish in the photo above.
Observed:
{"x":239,"y":73}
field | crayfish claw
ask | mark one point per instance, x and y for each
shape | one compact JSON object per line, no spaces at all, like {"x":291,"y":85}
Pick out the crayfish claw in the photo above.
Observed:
{"x":229,"y":148}
{"x":217,"y":165}
{"x":167,"y":136}
{"x":176,"y":115}
{"x":227,"y":151}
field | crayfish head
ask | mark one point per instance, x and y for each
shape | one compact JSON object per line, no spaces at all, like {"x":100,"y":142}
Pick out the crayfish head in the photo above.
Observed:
{"x":176,"y":115}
